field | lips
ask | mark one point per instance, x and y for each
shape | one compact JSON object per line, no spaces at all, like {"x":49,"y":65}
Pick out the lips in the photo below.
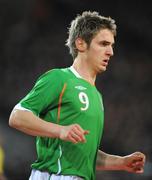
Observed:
{"x":105,"y":62}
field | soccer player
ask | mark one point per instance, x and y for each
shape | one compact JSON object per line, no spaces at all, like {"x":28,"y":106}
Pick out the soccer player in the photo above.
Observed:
{"x":64,"y":110}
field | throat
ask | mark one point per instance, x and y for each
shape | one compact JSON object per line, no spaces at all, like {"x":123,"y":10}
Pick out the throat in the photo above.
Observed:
{"x":84,"y":74}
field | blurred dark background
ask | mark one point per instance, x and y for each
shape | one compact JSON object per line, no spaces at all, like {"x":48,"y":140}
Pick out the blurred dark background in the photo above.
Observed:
{"x":32,"y":38}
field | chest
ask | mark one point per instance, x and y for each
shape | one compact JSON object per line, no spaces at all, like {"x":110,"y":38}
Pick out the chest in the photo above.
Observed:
{"x":81,"y":98}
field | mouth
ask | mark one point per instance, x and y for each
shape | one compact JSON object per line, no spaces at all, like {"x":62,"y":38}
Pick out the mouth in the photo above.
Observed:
{"x":105,"y":62}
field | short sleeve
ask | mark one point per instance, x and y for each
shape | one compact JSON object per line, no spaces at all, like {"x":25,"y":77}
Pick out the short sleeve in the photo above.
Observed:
{"x":44,"y":94}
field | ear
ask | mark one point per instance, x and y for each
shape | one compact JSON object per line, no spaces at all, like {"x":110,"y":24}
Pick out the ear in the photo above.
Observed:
{"x":81,"y":45}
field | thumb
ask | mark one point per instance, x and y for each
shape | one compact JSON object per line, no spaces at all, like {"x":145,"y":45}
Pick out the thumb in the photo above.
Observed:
{"x":86,"y":132}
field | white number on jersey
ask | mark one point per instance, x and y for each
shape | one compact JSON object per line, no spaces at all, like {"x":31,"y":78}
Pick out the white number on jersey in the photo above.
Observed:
{"x":84,"y":100}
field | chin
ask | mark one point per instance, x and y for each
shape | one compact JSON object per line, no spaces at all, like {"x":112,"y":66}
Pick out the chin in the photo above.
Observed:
{"x":101,"y":70}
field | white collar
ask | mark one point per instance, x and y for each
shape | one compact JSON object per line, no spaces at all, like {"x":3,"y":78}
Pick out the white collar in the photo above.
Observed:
{"x":75,"y":72}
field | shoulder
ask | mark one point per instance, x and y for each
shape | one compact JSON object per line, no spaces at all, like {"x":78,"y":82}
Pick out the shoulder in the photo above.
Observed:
{"x":51,"y":72}
{"x":56,"y":75}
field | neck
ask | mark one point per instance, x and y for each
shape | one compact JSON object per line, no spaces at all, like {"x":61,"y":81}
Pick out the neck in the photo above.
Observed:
{"x":84,"y":70}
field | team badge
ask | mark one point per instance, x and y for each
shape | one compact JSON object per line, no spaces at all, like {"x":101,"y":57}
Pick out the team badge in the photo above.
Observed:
{"x":80,"y":87}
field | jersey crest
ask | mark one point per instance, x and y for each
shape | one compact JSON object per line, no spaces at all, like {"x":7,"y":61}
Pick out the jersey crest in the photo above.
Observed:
{"x":80,"y":87}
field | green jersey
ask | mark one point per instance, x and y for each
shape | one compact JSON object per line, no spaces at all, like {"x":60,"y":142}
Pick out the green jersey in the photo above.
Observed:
{"x":60,"y":96}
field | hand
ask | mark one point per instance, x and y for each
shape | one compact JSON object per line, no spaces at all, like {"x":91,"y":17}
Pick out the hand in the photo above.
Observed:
{"x":134,"y":162}
{"x":73,"y":133}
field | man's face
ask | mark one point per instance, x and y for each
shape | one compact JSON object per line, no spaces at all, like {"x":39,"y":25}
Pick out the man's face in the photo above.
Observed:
{"x":100,"y":50}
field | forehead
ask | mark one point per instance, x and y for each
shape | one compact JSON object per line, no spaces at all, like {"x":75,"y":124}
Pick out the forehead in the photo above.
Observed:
{"x":104,"y":35}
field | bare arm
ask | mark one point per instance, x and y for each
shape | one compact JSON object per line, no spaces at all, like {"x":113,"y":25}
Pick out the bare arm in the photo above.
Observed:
{"x":29,"y":123}
{"x":108,"y":162}
{"x":131,"y":163}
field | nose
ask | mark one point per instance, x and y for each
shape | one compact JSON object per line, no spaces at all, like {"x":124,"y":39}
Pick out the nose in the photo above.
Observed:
{"x":109,"y":51}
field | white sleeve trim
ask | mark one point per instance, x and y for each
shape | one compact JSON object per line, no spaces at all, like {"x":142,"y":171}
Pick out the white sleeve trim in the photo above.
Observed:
{"x":19,"y":107}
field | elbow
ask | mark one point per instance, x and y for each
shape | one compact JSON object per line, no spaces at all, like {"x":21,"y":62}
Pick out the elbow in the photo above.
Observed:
{"x":12,"y":122}
{"x":14,"y":119}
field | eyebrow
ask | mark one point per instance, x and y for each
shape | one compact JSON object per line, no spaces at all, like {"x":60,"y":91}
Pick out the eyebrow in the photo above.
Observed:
{"x":107,"y":42}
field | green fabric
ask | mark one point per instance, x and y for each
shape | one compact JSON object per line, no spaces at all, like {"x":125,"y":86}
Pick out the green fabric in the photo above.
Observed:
{"x":81,"y":103}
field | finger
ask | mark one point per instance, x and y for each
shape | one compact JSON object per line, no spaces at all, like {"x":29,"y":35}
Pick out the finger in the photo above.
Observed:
{"x":77,"y":136}
{"x":138,"y":164}
{"x":137,"y":159}
{"x":80,"y":135}
{"x":86,"y":132}
{"x":82,"y":130}
{"x":139,"y":170}
{"x":77,"y":126}
{"x":140,"y":155}
{"x":73,"y":140}
{"x":135,"y":170}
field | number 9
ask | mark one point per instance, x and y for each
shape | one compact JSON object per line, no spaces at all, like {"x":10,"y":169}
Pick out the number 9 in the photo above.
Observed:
{"x":84,"y":100}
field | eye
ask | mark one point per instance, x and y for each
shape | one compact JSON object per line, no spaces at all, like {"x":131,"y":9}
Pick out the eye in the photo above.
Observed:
{"x":104,"y":43}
